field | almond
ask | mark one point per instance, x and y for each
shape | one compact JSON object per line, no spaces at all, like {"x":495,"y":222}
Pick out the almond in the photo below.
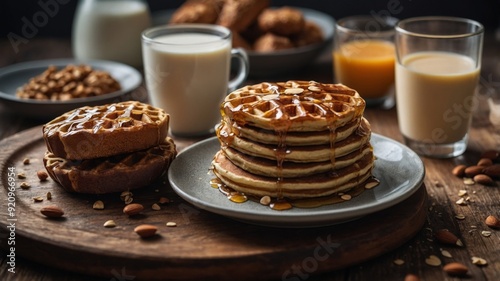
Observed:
{"x":471,"y":171}
{"x":456,"y":269}
{"x":145,"y":230}
{"x":52,"y":211}
{"x":133,"y":209}
{"x":492,"y":171}
{"x":446,"y":237}
{"x":484,"y":162}
{"x":459,"y":171}
{"x":492,"y":222}
{"x":483,"y":179}
{"x":491,"y":154}
{"x":42,"y":175}
{"x":411,"y":277}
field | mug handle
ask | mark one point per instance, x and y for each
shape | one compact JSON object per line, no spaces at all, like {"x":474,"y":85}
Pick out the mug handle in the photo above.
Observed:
{"x":243,"y":69}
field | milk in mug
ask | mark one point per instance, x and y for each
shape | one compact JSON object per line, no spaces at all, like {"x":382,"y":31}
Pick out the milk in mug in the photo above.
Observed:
{"x":186,"y":73}
{"x":434,"y":92}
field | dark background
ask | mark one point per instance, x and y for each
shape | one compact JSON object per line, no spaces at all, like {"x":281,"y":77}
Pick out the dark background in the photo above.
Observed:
{"x":487,"y":12}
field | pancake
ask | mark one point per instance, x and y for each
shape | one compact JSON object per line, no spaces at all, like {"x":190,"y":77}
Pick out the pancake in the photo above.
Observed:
{"x":316,"y":185}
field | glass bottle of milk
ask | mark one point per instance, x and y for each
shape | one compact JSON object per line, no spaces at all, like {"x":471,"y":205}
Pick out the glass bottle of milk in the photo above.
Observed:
{"x":110,"y":30}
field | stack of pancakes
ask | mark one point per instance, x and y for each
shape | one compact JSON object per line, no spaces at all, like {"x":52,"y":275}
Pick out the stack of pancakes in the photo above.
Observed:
{"x":108,"y":148}
{"x":293,"y":139}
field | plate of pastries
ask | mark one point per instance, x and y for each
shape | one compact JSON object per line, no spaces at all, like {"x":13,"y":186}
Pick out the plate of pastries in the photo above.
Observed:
{"x":277,"y":39}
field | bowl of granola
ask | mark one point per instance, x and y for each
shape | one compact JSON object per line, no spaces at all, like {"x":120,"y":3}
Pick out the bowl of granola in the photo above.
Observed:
{"x":47,"y":88}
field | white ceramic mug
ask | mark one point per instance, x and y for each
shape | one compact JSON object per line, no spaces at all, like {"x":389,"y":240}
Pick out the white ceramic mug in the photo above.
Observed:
{"x":187,"y":69}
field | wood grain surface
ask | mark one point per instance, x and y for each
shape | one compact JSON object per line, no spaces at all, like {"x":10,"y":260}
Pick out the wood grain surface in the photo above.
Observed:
{"x":202,"y":245}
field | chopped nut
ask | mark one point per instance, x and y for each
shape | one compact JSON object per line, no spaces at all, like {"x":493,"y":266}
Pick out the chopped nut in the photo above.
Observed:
{"x":42,"y":175}
{"x":164,"y":200}
{"x":460,"y":217}
{"x":98,"y":205}
{"x":21,"y":176}
{"x":461,"y":201}
{"x":26,"y":161}
{"x":346,"y":197}
{"x":155,"y":207}
{"x":445,"y":253}
{"x":433,"y":260}
{"x":171,"y":224}
{"x":37,"y":199}
{"x":25,"y":185}
{"x":462,"y":192}
{"x":486,"y":233}
{"x":479,"y":261}
{"x":109,"y":223}
{"x":265,"y":200}
{"x":128,"y":199}
{"x":124,"y":195}
{"x":49,"y":195}
{"x":469,"y":181}
{"x":398,"y":261}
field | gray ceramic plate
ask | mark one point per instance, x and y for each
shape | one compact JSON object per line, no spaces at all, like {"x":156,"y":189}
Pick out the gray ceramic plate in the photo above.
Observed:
{"x":15,"y":76}
{"x":284,"y":61}
{"x":399,"y":169}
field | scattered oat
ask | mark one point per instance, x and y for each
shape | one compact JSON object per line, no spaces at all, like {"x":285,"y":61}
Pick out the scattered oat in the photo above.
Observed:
{"x":38,"y":199}
{"x":462,"y":201}
{"x":171,"y":224}
{"x":398,"y":261}
{"x":486,"y":233}
{"x":479,"y":261}
{"x":21,"y":176}
{"x":460,"y":217}
{"x":25,"y":185}
{"x":49,"y":195}
{"x":265,"y":200}
{"x":26,"y":161}
{"x":462,"y":192}
{"x":445,"y":253}
{"x":155,"y":207}
{"x":346,"y":197}
{"x":433,"y":260}
{"x":98,"y":205}
{"x":109,"y":223}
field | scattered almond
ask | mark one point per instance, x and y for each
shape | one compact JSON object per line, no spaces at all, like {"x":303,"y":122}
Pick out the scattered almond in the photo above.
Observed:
{"x":492,"y":171}
{"x":411,"y":277}
{"x":399,"y":262}
{"x":155,"y":207}
{"x":445,"y":253}
{"x":37,"y":199}
{"x":483,"y":179}
{"x":164,"y":200}
{"x":461,"y":201}
{"x":26,"y":161}
{"x":484,"y":162}
{"x":145,"y":230}
{"x":49,"y":195}
{"x":52,"y":211}
{"x":455,"y":269}
{"x":433,"y":260}
{"x":492,"y":222}
{"x":42,"y":175}
{"x":171,"y":224}
{"x":459,"y":170}
{"x":133,"y":209}
{"x":447,"y":237}
{"x":21,"y":176}
{"x":471,"y":171}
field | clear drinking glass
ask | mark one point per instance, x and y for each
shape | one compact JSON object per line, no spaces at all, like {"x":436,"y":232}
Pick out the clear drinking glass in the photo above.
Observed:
{"x":187,"y":69}
{"x":437,"y":73}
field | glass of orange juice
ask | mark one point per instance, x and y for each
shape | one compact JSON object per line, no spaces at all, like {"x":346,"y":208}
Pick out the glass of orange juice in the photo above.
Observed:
{"x":364,"y":57}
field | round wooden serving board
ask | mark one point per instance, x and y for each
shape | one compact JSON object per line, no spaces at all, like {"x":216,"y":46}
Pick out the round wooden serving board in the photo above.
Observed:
{"x":202,"y":246}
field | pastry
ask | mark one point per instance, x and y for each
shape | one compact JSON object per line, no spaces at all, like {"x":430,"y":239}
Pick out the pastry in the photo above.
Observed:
{"x":238,"y":15}
{"x":285,"y":21}
{"x":100,"y":131}
{"x":270,"y":42}
{"x":198,"y":11}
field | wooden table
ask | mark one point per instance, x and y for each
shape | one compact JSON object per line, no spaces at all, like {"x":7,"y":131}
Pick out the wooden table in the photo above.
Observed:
{"x":442,"y":187}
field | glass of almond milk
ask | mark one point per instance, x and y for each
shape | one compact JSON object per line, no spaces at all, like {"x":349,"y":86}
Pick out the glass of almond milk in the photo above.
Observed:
{"x":187,"y":69}
{"x":437,"y":73}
